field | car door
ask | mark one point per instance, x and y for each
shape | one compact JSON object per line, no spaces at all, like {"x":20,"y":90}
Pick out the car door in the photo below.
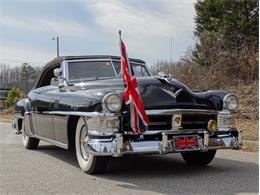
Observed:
{"x":42,"y":98}
{"x":42,"y":106}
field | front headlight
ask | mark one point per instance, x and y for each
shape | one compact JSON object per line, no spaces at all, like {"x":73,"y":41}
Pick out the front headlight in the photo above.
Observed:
{"x":230,"y":102}
{"x":112,"y":102}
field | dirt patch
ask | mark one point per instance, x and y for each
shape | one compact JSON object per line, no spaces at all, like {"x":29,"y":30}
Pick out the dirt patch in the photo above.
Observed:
{"x":247,"y":116}
{"x":6,"y":117}
{"x":249,"y":128}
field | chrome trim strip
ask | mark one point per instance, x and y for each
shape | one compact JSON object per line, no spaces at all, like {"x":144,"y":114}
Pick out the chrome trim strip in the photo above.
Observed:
{"x":138,"y":63}
{"x":143,"y":64}
{"x":148,"y":112}
{"x":86,"y":114}
{"x":50,"y":141}
{"x":179,"y":111}
{"x":172,"y":131}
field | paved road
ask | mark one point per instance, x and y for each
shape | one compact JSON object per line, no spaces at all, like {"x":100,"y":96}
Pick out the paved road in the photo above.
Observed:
{"x":51,"y":170}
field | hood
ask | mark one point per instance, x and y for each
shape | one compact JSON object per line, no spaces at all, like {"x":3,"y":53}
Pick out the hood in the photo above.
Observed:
{"x":157,"y":93}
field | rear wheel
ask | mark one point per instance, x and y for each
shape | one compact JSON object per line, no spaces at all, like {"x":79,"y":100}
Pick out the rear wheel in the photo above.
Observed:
{"x":198,"y":158}
{"x":28,"y":142}
{"x":88,"y":162}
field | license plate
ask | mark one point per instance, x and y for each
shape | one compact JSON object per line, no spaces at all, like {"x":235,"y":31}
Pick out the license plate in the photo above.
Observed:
{"x":186,"y":143}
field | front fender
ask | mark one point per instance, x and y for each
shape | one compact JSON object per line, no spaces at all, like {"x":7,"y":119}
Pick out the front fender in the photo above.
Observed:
{"x":213,"y":97}
{"x":23,"y":106}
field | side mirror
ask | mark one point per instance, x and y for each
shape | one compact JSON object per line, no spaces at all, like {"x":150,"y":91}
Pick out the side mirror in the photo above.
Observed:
{"x":57,"y":72}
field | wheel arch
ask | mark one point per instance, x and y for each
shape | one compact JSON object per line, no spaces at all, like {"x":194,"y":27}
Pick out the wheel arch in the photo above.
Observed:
{"x":21,"y":107}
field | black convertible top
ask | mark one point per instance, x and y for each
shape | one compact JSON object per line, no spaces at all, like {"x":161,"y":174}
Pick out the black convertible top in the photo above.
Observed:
{"x":61,"y":58}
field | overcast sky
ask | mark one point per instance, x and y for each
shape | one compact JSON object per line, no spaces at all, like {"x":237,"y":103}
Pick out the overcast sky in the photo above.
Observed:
{"x":91,"y":27}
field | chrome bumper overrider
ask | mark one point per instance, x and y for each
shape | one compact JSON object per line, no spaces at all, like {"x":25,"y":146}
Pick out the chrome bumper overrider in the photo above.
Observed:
{"x":117,"y":147}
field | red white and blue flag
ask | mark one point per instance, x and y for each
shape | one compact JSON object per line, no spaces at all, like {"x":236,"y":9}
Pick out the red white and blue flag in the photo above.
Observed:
{"x":189,"y":142}
{"x":138,"y":118}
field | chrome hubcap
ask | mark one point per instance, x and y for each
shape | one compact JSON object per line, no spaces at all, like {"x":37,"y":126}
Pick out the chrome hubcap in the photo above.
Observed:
{"x":83,"y":150}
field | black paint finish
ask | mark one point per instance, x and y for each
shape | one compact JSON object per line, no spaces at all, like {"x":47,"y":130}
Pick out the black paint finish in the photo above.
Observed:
{"x":87,"y":97}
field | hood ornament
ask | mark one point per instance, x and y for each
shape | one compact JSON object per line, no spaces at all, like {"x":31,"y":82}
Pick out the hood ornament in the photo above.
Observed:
{"x":174,"y":95}
{"x":163,"y":75}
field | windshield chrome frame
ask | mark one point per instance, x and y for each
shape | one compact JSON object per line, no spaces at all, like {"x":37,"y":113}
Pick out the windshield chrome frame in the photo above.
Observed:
{"x":139,"y":63}
{"x":66,"y":68}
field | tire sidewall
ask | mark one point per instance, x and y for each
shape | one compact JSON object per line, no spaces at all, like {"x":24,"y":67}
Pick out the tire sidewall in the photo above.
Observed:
{"x":85,"y":165}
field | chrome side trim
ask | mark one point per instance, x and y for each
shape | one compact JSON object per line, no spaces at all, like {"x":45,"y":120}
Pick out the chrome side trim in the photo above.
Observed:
{"x":172,"y":131}
{"x":180,"y":111}
{"x":148,"y":112}
{"x":86,"y":114}
{"x":56,"y":143}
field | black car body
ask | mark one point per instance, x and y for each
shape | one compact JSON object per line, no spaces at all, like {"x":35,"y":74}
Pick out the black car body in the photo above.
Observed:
{"x":67,"y":108}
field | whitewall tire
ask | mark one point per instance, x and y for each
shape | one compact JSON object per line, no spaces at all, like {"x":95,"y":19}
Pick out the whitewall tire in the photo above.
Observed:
{"x":88,"y":163}
{"x":28,"y":142}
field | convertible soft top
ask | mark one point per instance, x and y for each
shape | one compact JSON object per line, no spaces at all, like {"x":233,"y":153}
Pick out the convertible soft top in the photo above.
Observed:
{"x":61,"y":58}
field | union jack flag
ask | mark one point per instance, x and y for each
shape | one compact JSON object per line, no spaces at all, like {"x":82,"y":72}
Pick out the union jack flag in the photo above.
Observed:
{"x":189,"y":142}
{"x":137,"y":115}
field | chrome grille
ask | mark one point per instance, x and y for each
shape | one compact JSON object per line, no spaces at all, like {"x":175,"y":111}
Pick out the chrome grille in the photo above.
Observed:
{"x":160,"y":122}
{"x":189,"y":121}
{"x":196,"y":121}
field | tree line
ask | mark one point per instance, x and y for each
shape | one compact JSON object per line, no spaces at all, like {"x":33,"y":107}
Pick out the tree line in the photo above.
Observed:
{"x":226,"y":50}
{"x":20,"y":76}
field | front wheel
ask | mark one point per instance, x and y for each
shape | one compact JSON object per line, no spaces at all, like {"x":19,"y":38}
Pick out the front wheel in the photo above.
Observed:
{"x":28,"y":142}
{"x":88,"y":162}
{"x":198,"y":158}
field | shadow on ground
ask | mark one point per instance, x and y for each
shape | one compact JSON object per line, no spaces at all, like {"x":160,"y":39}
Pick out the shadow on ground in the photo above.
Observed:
{"x":169,"y":174}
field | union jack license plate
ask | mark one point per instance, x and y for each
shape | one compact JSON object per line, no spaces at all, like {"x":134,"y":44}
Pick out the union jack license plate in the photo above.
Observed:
{"x":186,"y":143}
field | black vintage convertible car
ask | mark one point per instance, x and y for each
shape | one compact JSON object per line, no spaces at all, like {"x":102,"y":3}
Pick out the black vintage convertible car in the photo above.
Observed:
{"x":77,"y":103}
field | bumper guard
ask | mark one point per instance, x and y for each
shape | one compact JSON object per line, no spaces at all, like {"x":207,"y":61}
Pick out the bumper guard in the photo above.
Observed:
{"x":117,"y":147}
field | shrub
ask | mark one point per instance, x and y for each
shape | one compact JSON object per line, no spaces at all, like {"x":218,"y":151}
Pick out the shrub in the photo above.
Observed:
{"x":13,"y":96}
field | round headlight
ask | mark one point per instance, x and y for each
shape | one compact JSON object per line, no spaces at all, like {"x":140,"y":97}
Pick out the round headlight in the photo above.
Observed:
{"x":111,"y":102}
{"x":230,"y":102}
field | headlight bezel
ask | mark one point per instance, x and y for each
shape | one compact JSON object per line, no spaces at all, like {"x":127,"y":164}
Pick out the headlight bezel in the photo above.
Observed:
{"x":105,"y":103}
{"x":226,"y":104}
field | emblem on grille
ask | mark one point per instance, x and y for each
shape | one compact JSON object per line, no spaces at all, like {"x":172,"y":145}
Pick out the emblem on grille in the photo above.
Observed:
{"x":174,"y":95}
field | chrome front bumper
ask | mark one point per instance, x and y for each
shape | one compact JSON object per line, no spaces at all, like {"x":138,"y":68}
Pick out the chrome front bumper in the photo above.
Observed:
{"x":117,"y":147}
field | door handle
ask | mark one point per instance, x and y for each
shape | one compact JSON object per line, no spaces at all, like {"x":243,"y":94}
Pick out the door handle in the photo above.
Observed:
{"x":37,"y":92}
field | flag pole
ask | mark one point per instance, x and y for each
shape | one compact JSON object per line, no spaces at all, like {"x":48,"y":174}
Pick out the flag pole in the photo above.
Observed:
{"x":119,"y":32}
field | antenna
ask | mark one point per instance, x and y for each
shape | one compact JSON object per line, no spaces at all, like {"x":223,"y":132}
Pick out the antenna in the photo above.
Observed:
{"x":171,"y":51}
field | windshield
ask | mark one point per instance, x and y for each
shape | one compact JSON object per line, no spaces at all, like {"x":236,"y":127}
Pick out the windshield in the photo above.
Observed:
{"x":139,"y":70}
{"x":83,"y":70}
{"x":88,"y":70}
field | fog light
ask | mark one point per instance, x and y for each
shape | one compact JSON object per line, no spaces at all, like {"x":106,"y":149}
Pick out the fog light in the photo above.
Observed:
{"x":212,"y":125}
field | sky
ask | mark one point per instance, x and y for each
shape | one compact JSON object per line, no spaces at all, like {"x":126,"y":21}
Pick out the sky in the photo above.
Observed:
{"x":149,"y":28}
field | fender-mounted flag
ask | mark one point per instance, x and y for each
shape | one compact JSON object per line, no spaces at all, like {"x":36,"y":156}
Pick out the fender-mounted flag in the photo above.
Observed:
{"x":138,"y":118}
